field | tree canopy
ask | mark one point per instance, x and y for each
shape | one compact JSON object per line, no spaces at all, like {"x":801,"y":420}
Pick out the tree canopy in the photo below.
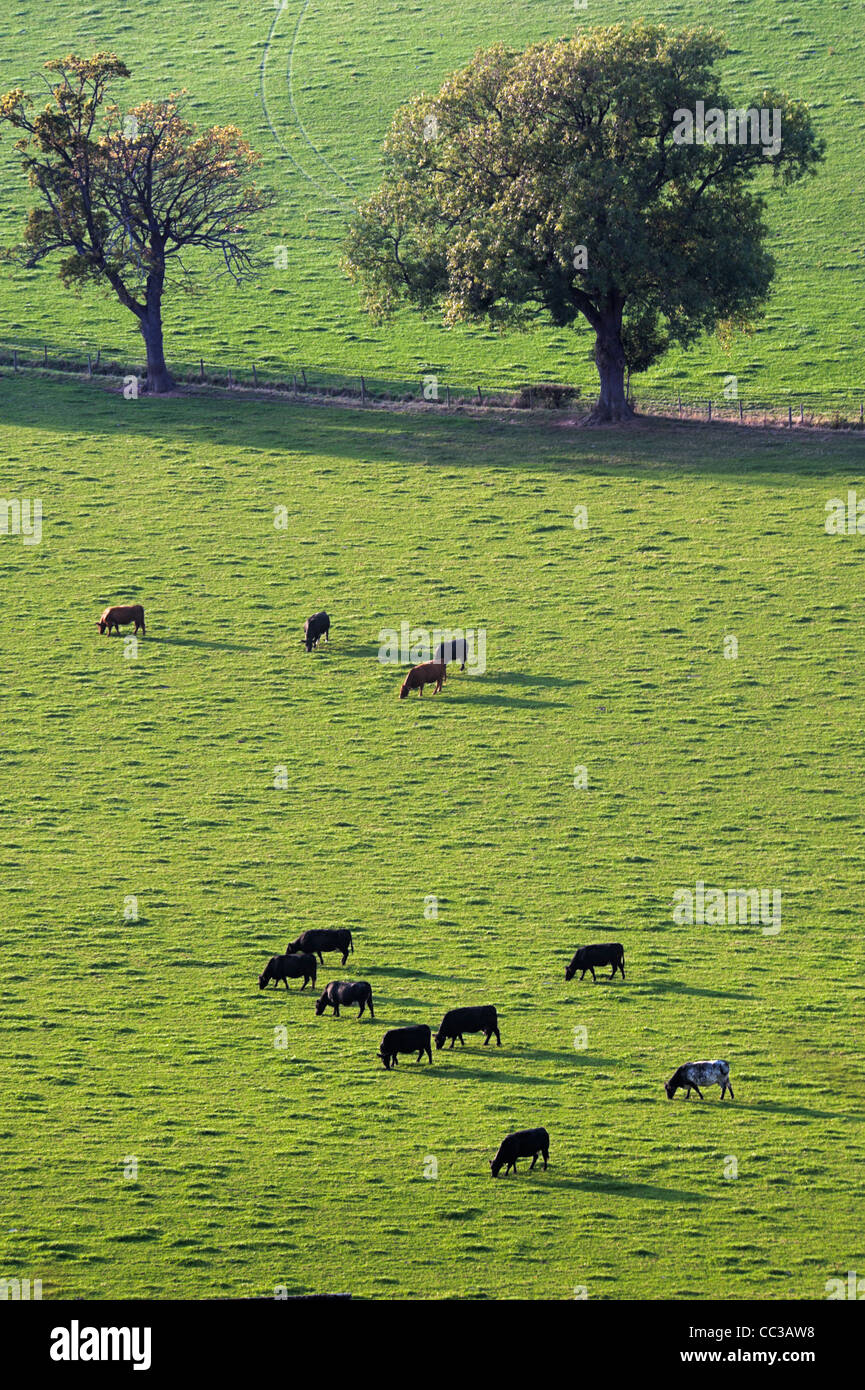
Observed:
{"x":559,"y":184}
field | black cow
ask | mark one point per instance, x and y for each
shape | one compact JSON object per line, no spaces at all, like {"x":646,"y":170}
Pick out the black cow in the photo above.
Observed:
{"x":480,"y":1019}
{"x":457,"y":650}
{"x":525,"y":1143}
{"x":289,"y":967}
{"x":323,"y":939}
{"x":345,"y":992}
{"x":588,"y":957}
{"x":315,"y":628}
{"x":417,"y":1039}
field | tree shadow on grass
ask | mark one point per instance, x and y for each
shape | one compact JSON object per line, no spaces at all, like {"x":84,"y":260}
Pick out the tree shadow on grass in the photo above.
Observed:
{"x":200,"y":642}
{"x":532,"y":446}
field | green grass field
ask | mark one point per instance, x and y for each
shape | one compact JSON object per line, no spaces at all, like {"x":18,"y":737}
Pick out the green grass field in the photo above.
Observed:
{"x":314,"y":87}
{"x":302,"y":1167}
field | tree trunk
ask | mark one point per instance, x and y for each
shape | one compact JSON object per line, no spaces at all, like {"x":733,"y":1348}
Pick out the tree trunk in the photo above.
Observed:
{"x":159,"y":379}
{"x":613,"y":405}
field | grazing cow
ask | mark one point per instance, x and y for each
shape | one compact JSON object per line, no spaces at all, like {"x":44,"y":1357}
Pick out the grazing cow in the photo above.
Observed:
{"x":345,"y":992}
{"x":693,"y":1075}
{"x":417,"y":1039}
{"x":480,"y":1019}
{"x":315,"y":628}
{"x":525,"y":1143}
{"x":425,"y":674}
{"x":323,"y":939}
{"x":119,"y":616}
{"x":457,"y":650}
{"x":289,"y":967}
{"x":588,"y":957}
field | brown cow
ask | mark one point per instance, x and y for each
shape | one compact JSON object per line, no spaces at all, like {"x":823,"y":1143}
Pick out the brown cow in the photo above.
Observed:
{"x":120,"y":614}
{"x":422,"y":675}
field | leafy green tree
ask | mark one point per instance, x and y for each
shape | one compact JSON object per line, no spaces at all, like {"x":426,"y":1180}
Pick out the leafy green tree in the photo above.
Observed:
{"x":127,"y":197}
{"x":556,"y":184}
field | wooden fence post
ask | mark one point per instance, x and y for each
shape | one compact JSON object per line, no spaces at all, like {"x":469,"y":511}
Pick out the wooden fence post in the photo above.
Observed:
{"x":14,"y":359}
{"x":448,"y":390}
{"x":45,"y":355}
{"x":89,"y":365}
{"x":680,"y":402}
{"x":801,"y":412}
{"x":710,"y":410}
{"x":362,"y":391}
{"x":480,"y":397}
{"x":789,"y":417}
{"x":201,"y":369}
{"x":254,"y":375}
{"x":303,"y":374}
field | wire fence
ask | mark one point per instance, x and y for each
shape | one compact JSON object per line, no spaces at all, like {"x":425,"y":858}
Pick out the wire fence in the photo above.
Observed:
{"x":833,"y":408}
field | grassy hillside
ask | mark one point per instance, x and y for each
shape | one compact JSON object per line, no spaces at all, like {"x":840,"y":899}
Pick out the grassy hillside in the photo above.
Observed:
{"x":314,"y":87}
{"x":153,"y":776}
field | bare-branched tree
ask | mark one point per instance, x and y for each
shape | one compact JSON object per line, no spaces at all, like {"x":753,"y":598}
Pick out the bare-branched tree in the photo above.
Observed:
{"x":129,"y":197}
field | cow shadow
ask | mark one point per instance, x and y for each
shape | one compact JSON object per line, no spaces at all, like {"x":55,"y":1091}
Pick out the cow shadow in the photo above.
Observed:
{"x":506,"y":1078}
{"x":200,"y":642}
{"x":617,"y":1187}
{"x":601,"y":980}
{"x":525,"y":678}
{"x":504,"y":701}
{"x":574,"y":1054}
{"x":676,"y":987}
{"x":410,"y":973}
{"x":370,"y":652}
{"x":774,"y":1107}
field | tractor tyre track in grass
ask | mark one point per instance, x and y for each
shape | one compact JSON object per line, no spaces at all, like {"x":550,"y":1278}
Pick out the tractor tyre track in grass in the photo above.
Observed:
{"x":342,"y":204}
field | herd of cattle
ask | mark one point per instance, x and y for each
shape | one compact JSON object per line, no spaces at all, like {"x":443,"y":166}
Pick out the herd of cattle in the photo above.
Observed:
{"x":432,"y":673}
{"x":299,"y":961}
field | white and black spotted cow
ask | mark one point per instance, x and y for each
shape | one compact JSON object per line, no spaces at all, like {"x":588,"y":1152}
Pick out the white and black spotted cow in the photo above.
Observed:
{"x":693,"y":1075}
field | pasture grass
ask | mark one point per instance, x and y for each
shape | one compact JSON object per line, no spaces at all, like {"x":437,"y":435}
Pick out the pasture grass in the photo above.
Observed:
{"x":302,"y":1167}
{"x":314,"y":87}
